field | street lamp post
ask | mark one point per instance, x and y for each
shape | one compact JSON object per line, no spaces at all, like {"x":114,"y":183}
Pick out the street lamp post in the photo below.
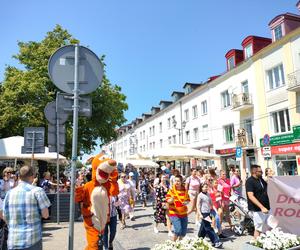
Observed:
{"x":180,"y":130}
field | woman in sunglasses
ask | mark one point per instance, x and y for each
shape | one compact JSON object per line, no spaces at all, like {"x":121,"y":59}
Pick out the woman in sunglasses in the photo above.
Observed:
{"x":7,"y":182}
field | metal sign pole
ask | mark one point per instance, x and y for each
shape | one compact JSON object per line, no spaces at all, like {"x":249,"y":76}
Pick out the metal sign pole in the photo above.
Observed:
{"x":57,"y":161}
{"x":74,"y":148}
{"x":32,"y":152}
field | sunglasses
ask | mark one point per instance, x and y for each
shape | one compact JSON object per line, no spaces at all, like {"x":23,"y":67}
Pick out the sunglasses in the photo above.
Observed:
{"x":123,"y":176}
{"x":9,"y":172}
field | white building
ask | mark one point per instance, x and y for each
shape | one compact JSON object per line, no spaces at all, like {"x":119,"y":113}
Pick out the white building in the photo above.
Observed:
{"x":230,"y":111}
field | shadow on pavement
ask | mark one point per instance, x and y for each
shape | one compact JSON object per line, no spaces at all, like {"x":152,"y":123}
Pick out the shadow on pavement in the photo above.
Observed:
{"x":142,"y":216}
{"x":135,"y":226}
{"x":52,"y":228}
{"x":140,"y":248}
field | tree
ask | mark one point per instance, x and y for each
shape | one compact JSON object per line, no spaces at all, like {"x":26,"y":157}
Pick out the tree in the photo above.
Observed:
{"x":25,"y":92}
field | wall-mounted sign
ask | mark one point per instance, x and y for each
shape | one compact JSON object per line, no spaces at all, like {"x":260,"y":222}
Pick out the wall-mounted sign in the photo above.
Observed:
{"x":225,"y":151}
{"x":282,"y":139}
{"x":286,"y":149}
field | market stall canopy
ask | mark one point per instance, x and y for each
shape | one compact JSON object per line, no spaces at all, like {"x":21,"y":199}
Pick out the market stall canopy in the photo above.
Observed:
{"x":142,"y":163}
{"x":10,"y":148}
{"x":138,"y":156}
{"x":181,"y":152}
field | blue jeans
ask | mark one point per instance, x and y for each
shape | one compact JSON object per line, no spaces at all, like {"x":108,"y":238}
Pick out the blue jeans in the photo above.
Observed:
{"x":217,"y":218}
{"x":180,"y":225}
{"x":206,"y":229}
{"x":112,"y":225}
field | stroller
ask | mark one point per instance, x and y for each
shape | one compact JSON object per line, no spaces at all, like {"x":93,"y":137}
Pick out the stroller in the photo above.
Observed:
{"x":240,"y":215}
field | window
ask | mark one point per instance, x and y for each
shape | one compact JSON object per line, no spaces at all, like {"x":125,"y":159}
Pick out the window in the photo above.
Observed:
{"x":153,"y":144}
{"x":169,"y":123}
{"x":161,"y":143}
{"x":150,"y":145}
{"x":195,"y":111}
{"x":174,"y":139}
{"x":205,"y":132}
{"x":275,"y":77}
{"x":187,"y":136}
{"x":245,"y":88}
{"x":153,"y":130}
{"x":150,"y":131}
{"x":141,"y":148}
{"x":230,"y":63}
{"x":160,"y":127}
{"x":278,"y":32}
{"x":248,"y":51}
{"x":229,"y":133}
{"x":196,"y":134}
{"x":186,"y":115}
{"x":144,"y":148}
{"x":204,"y":107}
{"x":141,"y":136}
{"x":225,"y":99}
{"x":281,"y":121}
{"x":144,"y":134}
{"x":169,"y":139}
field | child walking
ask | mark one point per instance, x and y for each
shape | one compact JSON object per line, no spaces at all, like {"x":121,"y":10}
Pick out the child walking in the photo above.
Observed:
{"x":204,"y":208}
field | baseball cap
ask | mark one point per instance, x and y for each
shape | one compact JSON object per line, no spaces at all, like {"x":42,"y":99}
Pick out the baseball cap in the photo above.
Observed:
{"x":131,"y":174}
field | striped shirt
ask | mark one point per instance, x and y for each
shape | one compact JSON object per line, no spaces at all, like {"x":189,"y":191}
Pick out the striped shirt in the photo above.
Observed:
{"x":177,"y":208}
{"x":22,"y":210}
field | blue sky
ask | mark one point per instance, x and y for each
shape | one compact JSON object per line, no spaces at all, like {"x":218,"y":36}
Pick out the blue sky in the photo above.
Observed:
{"x":152,"y":47}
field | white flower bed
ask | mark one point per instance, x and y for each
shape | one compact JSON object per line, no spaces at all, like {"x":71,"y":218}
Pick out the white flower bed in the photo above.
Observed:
{"x":276,"y":240}
{"x":186,"y":243}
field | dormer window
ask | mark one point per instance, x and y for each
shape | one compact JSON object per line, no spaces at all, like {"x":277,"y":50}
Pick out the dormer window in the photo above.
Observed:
{"x":278,"y":32}
{"x":248,"y":51}
{"x":230,"y":63}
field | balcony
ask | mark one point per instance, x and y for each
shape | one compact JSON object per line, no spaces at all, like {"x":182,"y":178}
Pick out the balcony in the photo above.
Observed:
{"x":294,"y":81}
{"x":241,"y":101}
{"x":244,"y":139}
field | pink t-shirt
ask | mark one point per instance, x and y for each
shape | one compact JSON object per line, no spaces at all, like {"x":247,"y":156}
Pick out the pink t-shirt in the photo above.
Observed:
{"x":194,"y":183}
{"x":225,"y":186}
{"x":234,"y":181}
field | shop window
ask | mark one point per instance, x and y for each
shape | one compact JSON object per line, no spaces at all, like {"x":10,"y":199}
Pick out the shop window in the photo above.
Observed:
{"x":286,"y":164}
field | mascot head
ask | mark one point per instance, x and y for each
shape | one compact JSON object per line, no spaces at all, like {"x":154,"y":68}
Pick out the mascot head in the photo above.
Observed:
{"x":104,"y":172}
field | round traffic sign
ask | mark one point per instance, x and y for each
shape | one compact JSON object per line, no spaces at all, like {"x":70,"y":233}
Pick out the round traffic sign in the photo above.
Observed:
{"x":50,"y":113}
{"x":61,"y":69}
{"x":266,"y":140}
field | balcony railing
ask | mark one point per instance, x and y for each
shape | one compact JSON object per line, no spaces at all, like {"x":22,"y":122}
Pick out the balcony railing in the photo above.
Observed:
{"x":244,"y":139}
{"x":294,"y":81}
{"x":241,"y":101}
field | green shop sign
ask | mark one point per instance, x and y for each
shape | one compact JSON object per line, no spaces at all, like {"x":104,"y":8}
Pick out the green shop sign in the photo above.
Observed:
{"x":284,"y":139}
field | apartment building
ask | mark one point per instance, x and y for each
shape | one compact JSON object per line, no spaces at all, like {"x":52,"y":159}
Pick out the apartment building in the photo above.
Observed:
{"x":253,"y":107}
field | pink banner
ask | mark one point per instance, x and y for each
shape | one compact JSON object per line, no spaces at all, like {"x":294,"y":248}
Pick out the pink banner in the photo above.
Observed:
{"x":284,"y":195}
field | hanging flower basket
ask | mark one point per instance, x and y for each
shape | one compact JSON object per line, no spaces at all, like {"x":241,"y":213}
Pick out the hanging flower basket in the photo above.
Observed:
{"x":274,"y":240}
{"x":186,"y":243}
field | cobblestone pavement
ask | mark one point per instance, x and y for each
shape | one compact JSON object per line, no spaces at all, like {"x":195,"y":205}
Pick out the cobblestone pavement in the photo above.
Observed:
{"x":138,"y":234}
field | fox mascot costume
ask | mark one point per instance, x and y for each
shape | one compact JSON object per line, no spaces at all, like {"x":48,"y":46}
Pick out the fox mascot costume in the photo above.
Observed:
{"x":94,"y":199}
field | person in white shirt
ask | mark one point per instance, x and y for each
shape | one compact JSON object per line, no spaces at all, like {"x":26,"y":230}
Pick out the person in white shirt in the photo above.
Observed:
{"x":132,"y":183}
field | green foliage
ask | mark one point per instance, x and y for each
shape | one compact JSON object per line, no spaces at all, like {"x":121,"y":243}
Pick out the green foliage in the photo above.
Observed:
{"x":24,"y":94}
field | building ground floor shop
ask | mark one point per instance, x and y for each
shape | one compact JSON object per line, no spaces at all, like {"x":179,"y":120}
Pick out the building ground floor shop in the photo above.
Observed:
{"x":285,"y":159}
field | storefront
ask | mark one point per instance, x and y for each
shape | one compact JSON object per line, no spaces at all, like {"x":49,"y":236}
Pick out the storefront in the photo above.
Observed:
{"x":285,"y":152}
{"x":227,"y":158}
{"x":284,"y":157}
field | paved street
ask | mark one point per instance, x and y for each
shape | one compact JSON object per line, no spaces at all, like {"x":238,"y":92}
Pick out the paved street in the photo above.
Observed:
{"x":138,"y":234}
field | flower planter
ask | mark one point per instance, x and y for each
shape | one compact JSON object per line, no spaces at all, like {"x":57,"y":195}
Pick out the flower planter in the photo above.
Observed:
{"x":248,"y":246}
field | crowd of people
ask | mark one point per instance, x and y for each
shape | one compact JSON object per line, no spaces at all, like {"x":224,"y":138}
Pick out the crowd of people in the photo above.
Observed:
{"x":204,"y":193}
